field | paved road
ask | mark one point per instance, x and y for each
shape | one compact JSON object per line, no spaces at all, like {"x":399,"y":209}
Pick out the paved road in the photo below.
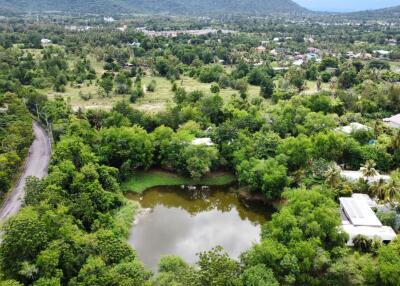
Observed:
{"x":36,"y":165}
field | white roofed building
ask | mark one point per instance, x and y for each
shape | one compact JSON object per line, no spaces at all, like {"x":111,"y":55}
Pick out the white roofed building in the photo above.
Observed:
{"x":45,"y":42}
{"x":354,"y":126}
{"x":358,"y":218}
{"x":203,"y":141}
{"x":354,"y":176}
{"x":393,"y":121}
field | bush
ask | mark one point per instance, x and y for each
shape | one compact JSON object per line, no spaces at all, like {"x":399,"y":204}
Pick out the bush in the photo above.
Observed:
{"x":152,"y":86}
{"x":209,"y":74}
{"x":362,"y":243}
{"x":326,"y":76}
{"x":267,"y":87}
{"x":136,"y":93}
{"x":215,"y":88}
{"x":378,"y":64}
{"x":85,"y":96}
{"x":388,"y":218}
{"x":224,"y":81}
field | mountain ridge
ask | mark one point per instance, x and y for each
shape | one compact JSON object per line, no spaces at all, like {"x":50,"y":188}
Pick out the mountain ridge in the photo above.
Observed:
{"x":173,"y":7}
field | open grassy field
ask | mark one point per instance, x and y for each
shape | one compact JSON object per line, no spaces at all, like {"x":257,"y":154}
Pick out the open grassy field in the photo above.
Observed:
{"x":311,"y":87}
{"x":151,"y":102}
{"x":141,"y":181}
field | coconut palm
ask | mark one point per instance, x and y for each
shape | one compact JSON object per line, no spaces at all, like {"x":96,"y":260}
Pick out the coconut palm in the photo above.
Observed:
{"x":378,"y":189}
{"x":368,"y":170}
{"x":395,"y":144}
{"x":378,"y":128}
{"x":332,"y":175}
{"x":392,"y":192}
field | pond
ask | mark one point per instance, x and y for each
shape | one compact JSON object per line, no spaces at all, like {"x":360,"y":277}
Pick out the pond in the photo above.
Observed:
{"x":176,"y":221}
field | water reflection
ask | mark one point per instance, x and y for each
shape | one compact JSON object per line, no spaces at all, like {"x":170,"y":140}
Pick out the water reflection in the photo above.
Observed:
{"x":182,"y":222}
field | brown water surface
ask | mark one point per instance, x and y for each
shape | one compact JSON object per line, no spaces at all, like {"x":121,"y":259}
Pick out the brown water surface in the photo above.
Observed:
{"x":181,"y":222}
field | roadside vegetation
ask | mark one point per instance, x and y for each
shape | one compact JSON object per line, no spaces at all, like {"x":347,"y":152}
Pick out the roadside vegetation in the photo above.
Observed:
{"x":15,"y":138}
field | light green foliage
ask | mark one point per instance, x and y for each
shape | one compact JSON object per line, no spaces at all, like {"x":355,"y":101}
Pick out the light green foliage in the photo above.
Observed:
{"x":267,"y":176}
{"x":259,"y":275}
{"x":126,"y":145}
{"x":15,"y":138}
{"x":217,"y":268}
{"x":297,"y":241}
{"x":355,"y":270}
{"x":297,"y":149}
{"x":389,"y":262}
{"x":199,"y":159}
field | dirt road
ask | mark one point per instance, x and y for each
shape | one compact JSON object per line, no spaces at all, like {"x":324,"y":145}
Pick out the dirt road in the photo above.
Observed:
{"x":36,"y":165}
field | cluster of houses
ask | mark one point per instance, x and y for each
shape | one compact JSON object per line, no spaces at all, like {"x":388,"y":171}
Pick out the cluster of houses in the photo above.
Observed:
{"x":293,"y":58}
{"x":75,"y":28}
{"x":176,"y":33}
{"x":297,"y":59}
{"x":357,"y":213}
{"x":377,"y":54}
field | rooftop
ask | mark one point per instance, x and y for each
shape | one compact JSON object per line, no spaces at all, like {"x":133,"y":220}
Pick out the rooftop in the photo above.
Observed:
{"x":394,"y":119}
{"x":356,"y":175}
{"x":203,"y":141}
{"x":354,"y":126}
{"x":358,"y":218}
{"x":359,"y":212}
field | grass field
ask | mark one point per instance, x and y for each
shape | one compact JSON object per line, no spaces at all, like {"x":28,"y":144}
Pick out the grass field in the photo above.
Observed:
{"x":151,"y":102}
{"x":311,"y":87}
{"x":141,"y":181}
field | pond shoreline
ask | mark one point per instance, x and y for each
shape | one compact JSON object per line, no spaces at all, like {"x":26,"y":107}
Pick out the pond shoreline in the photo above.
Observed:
{"x":142,"y":181}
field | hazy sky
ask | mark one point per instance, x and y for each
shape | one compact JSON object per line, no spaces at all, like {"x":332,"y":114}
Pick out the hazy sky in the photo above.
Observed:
{"x":346,"y":5}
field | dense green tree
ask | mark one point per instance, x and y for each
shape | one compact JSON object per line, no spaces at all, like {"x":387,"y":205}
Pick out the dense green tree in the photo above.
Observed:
{"x":126,"y":145}
{"x":298,"y":151}
{"x":268,"y":176}
{"x":267,"y":87}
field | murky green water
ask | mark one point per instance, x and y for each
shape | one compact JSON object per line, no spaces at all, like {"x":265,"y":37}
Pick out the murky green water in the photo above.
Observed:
{"x":182,"y":222}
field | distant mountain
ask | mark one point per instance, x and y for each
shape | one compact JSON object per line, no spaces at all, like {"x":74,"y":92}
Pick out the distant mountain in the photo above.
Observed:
{"x":387,"y":13}
{"x":173,"y":7}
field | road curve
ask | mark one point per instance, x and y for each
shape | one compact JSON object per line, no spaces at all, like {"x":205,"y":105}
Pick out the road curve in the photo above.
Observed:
{"x":36,"y":165}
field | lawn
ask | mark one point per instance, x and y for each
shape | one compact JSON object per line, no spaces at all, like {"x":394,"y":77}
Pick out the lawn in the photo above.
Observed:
{"x":141,"y":181}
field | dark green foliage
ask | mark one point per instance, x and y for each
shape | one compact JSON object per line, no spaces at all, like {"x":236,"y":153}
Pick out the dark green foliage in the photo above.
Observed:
{"x":362,"y":243}
{"x":267,"y":87}
{"x":15,"y":138}
{"x":380,"y":65}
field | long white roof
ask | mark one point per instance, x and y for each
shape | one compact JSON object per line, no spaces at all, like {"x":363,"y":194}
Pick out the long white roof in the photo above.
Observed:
{"x":385,"y":233}
{"x":359,"y":213}
{"x":356,"y":175}
{"x":394,"y":119}
{"x":202,"y":141}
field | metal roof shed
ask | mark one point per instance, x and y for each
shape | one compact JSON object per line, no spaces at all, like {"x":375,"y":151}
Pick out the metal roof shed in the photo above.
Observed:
{"x":359,"y":212}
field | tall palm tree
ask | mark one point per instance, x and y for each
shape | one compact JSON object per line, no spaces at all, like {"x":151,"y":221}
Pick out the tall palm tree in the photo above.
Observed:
{"x":368,"y":170}
{"x":378,"y":189}
{"x":332,"y":175}
{"x":392,"y":192}
{"x":395,"y":144}
{"x":378,"y":128}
